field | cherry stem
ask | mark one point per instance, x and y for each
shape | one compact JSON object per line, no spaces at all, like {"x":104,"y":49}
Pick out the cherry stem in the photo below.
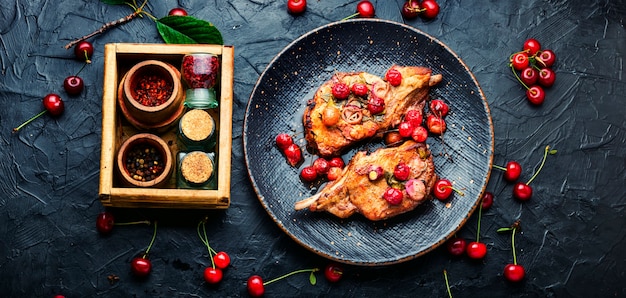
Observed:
{"x":445,"y":276}
{"x":513,"y":246}
{"x":151,"y":241}
{"x":455,"y":190}
{"x":205,"y":239}
{"x":350,"y":16}
{"x":480,"y":215}
{"x":290,"y":274}
{"x":518,"y":78}
{"x":147,"y":222}
{"x":545,"y":155}
{"x":499,"y":167}
{"x":29,"y":120}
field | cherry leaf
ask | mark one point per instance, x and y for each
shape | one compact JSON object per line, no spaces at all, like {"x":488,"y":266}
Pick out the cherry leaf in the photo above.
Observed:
{"x":312,"y":278}
{"x":188,"y":30}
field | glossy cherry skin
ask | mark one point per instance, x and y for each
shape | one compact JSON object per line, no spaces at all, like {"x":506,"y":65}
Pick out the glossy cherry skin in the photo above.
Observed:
{"x":105,"y":222}
{"x":410,"y":9}
{"x":529,"y":76}
{"x":293,"y":153}
{"x":522,"y":191}
{"x":430,"y":9}
{"x":213,"y":275}
{"x":420,"y":134}
{"x":476,"y":250}
{"x":83,"y":50}
{"x":443,"y":189}
{"x":222,"y":260}
{"x":514,"y":273}
{"x":141,"y":267}
{"x":405,"y":129}
{"x":536,"y":95}
{"x":436,"y":125}
{"x":255,"y":286}
{"x":415,"y":117}
{"x":53,"y":104}
{"x":513,"y":171}
{"x":532,"y":46}
{"x":308,"y":174}
{"x":321,"y":166}
{"x":439,"y":107}
{"x":456,"y":246}
{"x":546,"y":77}
{"x":296,"y":6}
{"x":487,"y":200}
{"x":519,"y":61}
{"x":73,"y":85}
{"x":333,"y":272}
{"x":546,"y":58}
{"x":336,"y":162}
{"x":177,"y":12}
{"x":365,"y":9}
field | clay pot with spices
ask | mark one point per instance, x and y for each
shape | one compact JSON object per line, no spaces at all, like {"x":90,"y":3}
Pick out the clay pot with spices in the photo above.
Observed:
{"x":144,"y":160}
{"x":150,"y":95}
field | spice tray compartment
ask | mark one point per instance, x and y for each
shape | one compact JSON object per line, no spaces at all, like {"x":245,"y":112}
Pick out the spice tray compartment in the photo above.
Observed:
{"x":118,"y":59}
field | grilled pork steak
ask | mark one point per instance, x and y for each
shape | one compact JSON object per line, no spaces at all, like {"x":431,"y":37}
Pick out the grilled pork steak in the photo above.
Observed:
{"x":357,"y":121}
{"x":354,"y":192}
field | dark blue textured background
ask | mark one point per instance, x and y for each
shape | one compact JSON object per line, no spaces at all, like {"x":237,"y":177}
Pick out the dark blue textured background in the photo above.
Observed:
{"x":573,"y":232}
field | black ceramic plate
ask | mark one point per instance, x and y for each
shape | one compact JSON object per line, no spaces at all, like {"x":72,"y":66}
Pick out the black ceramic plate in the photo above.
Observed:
{"x":277,"y":103}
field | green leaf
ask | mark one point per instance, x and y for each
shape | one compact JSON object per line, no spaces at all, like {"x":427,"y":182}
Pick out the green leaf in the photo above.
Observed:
{"x":115,"y":2}
{"x":312,"y":278}
{"x":553,"y":151}
{"x":188,"y":30}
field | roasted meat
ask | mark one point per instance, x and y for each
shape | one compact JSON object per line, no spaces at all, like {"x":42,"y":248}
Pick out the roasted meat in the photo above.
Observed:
{"x":356,"y":192}
{"x":365,"y":115}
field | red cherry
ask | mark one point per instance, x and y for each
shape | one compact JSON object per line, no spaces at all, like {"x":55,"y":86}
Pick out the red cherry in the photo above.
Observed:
{"x":53,"y":104}
{"x":439,"y":108}
{"x":255,"y":286}
{"x":393,"y":196}
{"x":529,"y":76}
{"x":476,"y":250}
{"x":213,"y":275}
{"x":141,"y":266}
{"x":375,"y":105}
{"x":436,"y":125}
{"x":360,"y":89}
{"x":402,"y":171}
{"x":514,"y":272}
{"x":222,"y":260}
{"x":443,"y":189}
{"x":519,"y":61}
{"x":333,"y":272}
{"x":308,"y":174}
{"x":522,"y":191}
{"x":410,"y":9}
{"x":177,"y":12}
{"x":546,"y":58}
{"x":394,"y":77}
{"x":59,"y":296}
{"x":336,"y":162}
{"x":512,"y":171}
{"x":333,"y":173}
{"x":365,"y":9}
{"x":405,"y":129}
{"x":430,"y":9}
{"x":535,"y":94}
{"x":487,"y":200}
{"x":105,"y":222}
{"x":340,"y":91}
{"x":283,"y":140}
{"x":420,"y":134}
{"x":293,"y":153}
{"x":532,"y":46}
{"x":547,"y":77}
{"x":414,"y":117}
{"x":83,"y":51}
{"x":73,"y":85}
{"x":456,"y":246}
{"x":296,"y":7}
{"x":321,"y":166}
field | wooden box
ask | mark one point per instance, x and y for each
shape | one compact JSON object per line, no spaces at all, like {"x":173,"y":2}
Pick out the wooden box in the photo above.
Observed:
{"x":119,"y":58}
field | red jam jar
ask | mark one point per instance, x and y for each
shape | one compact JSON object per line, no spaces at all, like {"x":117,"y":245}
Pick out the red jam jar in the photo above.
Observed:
{"x":200,"y":72}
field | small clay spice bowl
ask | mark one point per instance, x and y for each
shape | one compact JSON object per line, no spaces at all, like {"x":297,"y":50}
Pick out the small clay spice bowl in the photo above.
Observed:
{"x":144,"y":160}
{"x":151,"y":95}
